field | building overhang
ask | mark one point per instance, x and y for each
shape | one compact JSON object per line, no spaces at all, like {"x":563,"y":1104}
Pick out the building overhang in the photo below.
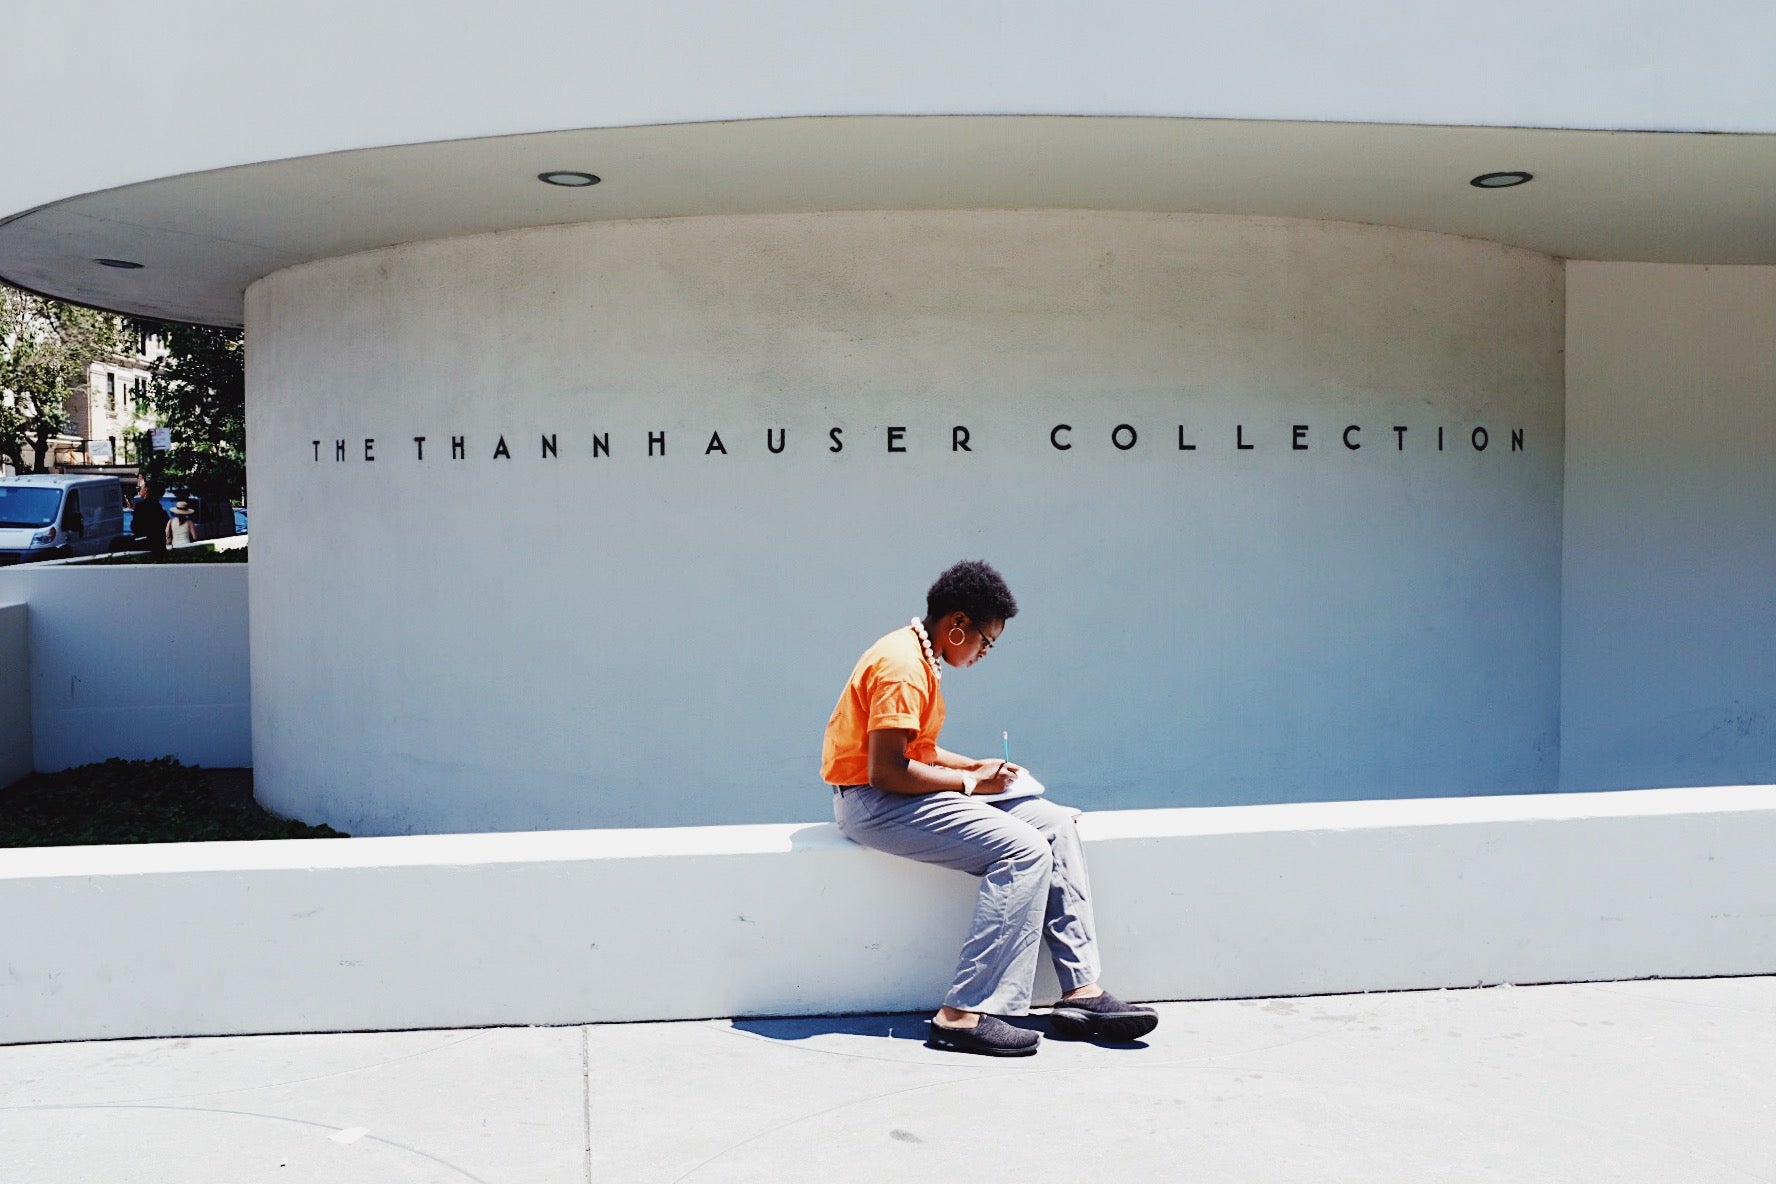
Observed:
{"x":201,"y":239}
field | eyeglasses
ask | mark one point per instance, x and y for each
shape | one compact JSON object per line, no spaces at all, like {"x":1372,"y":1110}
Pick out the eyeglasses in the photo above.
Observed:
{"x":987,"y":643}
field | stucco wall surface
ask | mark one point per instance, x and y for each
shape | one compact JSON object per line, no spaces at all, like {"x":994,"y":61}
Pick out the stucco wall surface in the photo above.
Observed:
{"x":15,"y":693}
{"x":471,"y":930}
{"x":1669,"y":614}
{"x":355,"y":75}
{"x":516,"y":639}
{"x":136,"y":662}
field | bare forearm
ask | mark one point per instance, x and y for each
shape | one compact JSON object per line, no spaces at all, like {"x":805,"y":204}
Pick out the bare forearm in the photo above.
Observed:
{"x":915,"y":777}
{"x":952,"y":760}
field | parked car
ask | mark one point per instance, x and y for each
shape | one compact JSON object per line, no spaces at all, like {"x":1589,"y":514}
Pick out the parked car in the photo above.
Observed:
{"x":55,"y":516}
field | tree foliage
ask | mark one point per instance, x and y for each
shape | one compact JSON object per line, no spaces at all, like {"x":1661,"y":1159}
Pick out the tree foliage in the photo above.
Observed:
{"x":199,"y":391}
{"x":46,"y":350}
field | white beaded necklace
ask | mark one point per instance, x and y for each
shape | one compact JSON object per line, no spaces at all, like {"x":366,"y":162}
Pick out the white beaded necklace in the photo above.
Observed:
{"x":919,"y":630}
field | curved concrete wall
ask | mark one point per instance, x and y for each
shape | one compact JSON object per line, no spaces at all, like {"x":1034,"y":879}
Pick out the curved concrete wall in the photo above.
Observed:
{"x":585,"y":639}
{"x":339,"y":75}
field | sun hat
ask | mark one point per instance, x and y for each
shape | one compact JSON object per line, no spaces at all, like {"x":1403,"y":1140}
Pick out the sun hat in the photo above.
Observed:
{"x":181,"y":507}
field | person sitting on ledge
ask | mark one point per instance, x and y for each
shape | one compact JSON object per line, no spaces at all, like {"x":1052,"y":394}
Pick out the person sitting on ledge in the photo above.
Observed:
{"x":895,"y":790}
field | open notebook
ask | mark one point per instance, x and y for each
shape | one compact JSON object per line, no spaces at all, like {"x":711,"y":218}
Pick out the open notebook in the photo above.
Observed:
{"x":1022,"y":786}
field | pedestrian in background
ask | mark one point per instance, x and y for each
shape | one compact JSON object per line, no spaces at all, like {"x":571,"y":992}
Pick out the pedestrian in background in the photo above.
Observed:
{"x":181,"y":531}
{"x":148,"y":518}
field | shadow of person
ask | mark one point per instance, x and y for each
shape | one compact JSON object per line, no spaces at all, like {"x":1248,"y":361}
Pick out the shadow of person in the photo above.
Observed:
{"x":903,"y":1025}
{"x":1040,"y":1023}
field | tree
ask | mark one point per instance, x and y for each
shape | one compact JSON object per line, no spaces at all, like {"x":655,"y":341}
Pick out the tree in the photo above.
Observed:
{"x":46,"y":349}
{"x":199,"y":391}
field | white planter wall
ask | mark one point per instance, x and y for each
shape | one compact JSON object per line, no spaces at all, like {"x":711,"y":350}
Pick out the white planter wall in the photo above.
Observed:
{"x":500,"y":643}
{"x":135,"y":661}
{"x":471,"y":930}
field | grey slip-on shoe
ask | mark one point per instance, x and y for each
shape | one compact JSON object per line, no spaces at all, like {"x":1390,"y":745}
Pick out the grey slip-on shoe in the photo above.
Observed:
{"x":1102,"y":1017}
{"x":992,"y":1037}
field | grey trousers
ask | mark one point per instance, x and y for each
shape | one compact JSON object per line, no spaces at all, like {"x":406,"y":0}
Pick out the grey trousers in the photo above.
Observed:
{"x":1033,"y":881}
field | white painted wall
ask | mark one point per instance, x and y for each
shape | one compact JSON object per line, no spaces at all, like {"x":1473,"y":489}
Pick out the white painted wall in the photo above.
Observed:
{"x":1669,"y":615}
{"x":15,"y":693}
{"x":353,"y":74}
{"x":497,"y":644}
{"x":136,"y":661}
{"x":464,"y":931}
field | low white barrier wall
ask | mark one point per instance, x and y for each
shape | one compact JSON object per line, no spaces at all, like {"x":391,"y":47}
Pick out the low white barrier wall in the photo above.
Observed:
{"x":135,"y":661}
{"x":15,"y":694}
{"x":578,"y":926}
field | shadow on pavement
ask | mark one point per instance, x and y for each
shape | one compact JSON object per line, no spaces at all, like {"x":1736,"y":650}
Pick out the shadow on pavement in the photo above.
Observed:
{"x":900,"y":1026}
{"x":906,"y":1025}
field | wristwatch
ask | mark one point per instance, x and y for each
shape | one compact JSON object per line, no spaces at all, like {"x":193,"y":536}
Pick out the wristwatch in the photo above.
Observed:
{"x":969,"y":781}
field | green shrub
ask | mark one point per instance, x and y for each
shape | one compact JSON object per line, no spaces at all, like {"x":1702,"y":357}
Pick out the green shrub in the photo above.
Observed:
{"x":158,"y":801}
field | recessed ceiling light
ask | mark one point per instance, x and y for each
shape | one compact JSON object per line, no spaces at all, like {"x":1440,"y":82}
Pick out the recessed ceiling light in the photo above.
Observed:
{"x":567,"y":179}
{"x":125,"y":264}
{"x":1500,"y":180}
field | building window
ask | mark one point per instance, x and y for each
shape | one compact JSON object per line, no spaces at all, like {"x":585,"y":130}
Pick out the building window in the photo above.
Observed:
{"x":111,"y":392}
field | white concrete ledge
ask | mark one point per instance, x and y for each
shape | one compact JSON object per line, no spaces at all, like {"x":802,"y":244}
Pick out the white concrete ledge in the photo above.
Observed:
{"x":577,"y":926}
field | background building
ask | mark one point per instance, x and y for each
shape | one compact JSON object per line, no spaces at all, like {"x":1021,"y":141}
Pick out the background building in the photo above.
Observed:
{"x":1324,"y":464}
{"x":109,"y":417}
{"x":105,"y":417}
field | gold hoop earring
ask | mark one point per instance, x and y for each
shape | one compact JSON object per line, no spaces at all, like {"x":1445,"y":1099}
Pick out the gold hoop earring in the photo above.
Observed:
{"x":957,"y":635}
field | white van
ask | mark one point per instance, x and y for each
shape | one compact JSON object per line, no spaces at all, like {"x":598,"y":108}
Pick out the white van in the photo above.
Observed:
{"x":52,"y":516}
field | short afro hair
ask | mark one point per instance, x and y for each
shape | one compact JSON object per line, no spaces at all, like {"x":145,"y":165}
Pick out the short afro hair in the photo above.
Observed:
{"x":973,"y":587}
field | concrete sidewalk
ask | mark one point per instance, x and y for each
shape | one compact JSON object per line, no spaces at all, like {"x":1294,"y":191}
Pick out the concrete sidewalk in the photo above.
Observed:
{"x":1669,"y":1081}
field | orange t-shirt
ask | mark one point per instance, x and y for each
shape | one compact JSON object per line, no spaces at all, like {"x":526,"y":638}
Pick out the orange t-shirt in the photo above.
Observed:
{"x":892,"y":686}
